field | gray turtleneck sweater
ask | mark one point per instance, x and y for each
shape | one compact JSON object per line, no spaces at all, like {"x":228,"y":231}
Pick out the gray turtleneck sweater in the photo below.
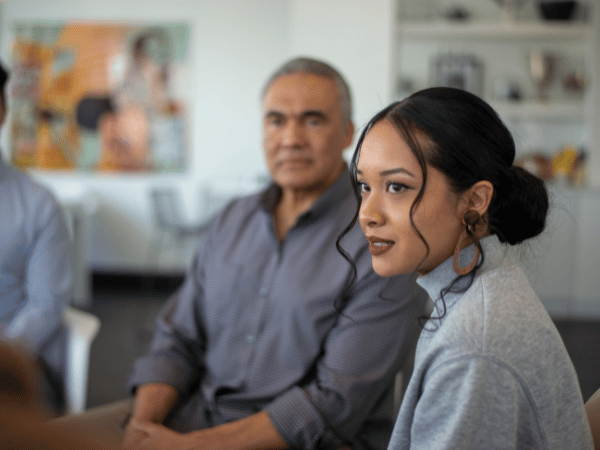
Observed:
{"x":493,"y":372}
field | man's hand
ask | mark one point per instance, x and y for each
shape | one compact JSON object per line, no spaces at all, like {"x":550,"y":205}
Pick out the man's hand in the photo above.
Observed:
{"x":133,"y":436}
{"x":253,"y":432}
{"x":152,"y":436}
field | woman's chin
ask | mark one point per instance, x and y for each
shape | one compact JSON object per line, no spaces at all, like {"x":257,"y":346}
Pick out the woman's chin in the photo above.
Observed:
{"x":385,"y":270}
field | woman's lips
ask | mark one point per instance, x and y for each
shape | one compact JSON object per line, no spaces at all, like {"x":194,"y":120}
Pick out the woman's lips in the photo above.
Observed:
{"x":378,"y":246}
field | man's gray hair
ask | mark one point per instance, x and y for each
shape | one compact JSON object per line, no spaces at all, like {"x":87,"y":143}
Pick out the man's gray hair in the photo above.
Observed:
{"x":315,"y":67}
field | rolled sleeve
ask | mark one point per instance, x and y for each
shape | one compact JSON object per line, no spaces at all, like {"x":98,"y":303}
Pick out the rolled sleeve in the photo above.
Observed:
{"x":296,"y":418}
{"x":361,"y":357}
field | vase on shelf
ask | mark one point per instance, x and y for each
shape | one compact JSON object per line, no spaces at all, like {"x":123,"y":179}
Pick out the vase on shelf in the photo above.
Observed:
{"x":511,"y":8}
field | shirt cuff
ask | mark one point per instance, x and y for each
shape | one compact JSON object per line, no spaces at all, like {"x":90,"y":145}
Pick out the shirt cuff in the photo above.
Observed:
{"x":162,"y":370}
{"x":296,"y":419}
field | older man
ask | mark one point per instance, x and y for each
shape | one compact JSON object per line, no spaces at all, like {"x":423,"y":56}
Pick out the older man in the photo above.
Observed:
{"x":251,"y":352}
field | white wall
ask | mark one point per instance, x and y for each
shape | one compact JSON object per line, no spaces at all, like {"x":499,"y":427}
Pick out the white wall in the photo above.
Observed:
{"x":234,"y":46}
{"x":356,"y":37}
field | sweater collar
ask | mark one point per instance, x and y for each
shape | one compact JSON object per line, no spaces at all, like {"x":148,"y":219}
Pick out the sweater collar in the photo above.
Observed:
{"x":442,"y":276}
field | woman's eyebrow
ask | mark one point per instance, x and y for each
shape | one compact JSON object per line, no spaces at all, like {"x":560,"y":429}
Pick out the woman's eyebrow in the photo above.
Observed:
{"x":390,"y":172}
{"x":396,"y":170}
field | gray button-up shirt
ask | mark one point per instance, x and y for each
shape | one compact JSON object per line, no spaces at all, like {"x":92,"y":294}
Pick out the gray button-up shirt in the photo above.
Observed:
{"x":254,"y":327}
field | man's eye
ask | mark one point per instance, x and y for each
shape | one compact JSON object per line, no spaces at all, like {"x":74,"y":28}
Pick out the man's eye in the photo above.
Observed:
{"x":274,"y":120}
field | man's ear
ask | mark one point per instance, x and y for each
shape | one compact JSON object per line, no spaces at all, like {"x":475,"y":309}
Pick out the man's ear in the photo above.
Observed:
{"x":478,"y":197}
{"x":348,"y":134}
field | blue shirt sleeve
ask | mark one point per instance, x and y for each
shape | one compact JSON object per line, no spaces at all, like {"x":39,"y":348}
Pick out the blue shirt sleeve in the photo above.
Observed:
{"x":48,"y":278}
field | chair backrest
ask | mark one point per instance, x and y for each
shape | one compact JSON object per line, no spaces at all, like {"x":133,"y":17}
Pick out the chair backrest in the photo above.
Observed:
{"x":167,"y":210}
{"x":592,"y":408}
{"x":82,"y":328}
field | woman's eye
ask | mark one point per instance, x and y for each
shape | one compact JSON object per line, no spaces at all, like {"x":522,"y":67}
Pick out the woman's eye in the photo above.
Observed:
{"x":363,"y":187}
{"x":396,"y":188}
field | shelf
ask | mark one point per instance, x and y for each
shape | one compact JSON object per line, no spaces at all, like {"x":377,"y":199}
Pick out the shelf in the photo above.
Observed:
{"x":561,"y":111}
{"x":494,"y":30}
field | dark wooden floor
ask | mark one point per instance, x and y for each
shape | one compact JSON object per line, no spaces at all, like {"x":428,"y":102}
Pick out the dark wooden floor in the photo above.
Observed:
{"x":127,"y":307}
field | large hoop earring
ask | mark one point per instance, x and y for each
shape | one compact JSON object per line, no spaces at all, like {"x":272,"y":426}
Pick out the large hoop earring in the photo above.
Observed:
{"x":471,"y":219}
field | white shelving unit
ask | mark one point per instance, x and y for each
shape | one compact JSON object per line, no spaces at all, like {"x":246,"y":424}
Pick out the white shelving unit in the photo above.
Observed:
{"x":562,"y":263}
{"x":486,"y":29}
{"x":565,"y":112}
{"x":503,"y":46}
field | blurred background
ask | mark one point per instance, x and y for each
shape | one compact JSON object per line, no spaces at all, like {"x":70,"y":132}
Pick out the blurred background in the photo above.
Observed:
{"x":137,"y":221}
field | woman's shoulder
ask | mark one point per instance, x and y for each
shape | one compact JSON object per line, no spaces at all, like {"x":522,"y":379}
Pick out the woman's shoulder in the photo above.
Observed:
{"x":513,"y":324}
{"x":499,"y":315}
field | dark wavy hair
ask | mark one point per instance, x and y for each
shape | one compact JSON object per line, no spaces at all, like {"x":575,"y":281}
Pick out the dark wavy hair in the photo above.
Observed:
{"x":3,"y":79}
{"x":462,"y":136}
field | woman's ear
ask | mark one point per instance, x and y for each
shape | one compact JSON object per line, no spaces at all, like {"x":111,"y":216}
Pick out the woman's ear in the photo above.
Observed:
{"x":478,"y":197}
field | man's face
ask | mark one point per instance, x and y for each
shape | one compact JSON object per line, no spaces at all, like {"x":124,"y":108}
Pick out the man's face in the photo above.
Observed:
{"x":303,"y":133}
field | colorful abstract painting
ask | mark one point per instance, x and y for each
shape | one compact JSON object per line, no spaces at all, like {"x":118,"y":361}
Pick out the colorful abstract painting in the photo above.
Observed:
{"x":98,"y":97}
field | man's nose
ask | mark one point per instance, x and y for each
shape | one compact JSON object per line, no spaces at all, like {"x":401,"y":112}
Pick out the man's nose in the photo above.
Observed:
{"x":293,"y":134}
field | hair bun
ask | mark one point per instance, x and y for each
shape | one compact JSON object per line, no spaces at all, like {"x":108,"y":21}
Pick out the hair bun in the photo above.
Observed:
{"x":519,"y":208}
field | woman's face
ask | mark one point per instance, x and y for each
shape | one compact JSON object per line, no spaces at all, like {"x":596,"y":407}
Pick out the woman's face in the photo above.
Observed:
{"x":390,"y":177}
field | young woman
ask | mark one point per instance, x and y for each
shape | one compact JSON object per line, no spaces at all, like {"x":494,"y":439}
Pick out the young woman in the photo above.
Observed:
{"x":439,"y":196}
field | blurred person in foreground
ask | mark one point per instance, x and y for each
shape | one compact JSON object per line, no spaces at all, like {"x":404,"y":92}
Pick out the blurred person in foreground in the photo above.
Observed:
{"x":251,"y":352}
{"x":24,"y":421}
{"x":36,"y":275}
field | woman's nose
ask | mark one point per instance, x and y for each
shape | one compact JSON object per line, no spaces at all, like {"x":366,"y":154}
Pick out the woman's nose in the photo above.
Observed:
{"x":370,"y":213}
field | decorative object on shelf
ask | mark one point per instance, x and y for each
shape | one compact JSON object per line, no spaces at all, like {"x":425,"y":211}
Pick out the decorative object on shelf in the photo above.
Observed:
{"x":509,"y":90}
{"x":461,"y":71}
{"x":457,"y":13}
{"x":542,"y":68}
{"x":538,"y":164}
{"x":511,"y":8}
{"x":569,"y":165}
{"x":557,"y":9}
{"x":573,"y":82}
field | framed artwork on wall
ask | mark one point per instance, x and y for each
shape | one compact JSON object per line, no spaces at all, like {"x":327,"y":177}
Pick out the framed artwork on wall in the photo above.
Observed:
{"x":98,"y":97}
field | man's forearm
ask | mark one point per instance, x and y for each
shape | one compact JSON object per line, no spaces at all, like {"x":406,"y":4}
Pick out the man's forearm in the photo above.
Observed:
{"x":153,"y":401}
{"x":253,"y":432}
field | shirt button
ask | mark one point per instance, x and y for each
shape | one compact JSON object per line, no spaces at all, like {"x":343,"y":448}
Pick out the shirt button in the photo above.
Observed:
{"x":263,"y":292}
{"x":250,"y":339}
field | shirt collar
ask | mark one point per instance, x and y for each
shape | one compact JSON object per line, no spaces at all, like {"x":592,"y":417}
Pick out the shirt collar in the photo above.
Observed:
{"x":332,"y":196}
{"x":443,"y":275}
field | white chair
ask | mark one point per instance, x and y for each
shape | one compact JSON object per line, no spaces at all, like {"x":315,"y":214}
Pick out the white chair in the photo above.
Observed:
{"x":171,"y":224}
{"x":82,"y":328}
